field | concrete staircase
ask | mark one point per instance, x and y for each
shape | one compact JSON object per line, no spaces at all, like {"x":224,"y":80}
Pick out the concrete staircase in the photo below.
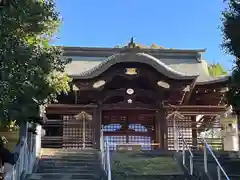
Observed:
{"x":68,"y":164}
{"x":229,"y":161}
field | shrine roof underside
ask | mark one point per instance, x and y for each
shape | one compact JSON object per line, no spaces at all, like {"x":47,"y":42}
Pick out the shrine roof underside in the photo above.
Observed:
{"x":88,"y":63}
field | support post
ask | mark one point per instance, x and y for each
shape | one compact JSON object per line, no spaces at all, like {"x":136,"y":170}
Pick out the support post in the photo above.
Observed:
{"x":194,"y":132}
{"x":205,"y":161}
{"x":164,"y":129}
{"x":97,"y":127}
{"x":158,"y":132}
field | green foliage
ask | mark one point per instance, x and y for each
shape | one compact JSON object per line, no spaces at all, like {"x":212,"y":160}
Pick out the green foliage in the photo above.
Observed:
{"x":10,"y":125}
{"x":233,"y":94}
{"x":216,"y":70}
{"x":231,"y":44}
{"x":32,"y":71}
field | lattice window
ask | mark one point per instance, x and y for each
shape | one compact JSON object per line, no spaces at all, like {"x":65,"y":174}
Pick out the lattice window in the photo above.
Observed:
{"x":144,"y":141}
{"x":185,"y":127}
{"x":137,"y":127}
{"x":111,"y":127}
{"x":77,"y":133}
{"x":114,"y":140}
{"x":88,"y":131}
{"x":170,"y":138}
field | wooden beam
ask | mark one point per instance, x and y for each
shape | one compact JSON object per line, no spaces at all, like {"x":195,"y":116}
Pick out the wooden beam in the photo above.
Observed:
{"x":196,"y":109}
{"x":129,"y":133}
{"x":189,"y":94}
{"x":71,"y":106}
{"x":66,"y":109}
{"x":122,"y":92}
{"x":129,"y":106}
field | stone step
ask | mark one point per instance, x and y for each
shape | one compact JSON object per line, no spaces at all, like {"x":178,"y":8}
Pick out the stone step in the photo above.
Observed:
{"x":68,"y":166}
{"x":65,"y":161}
{"x":69,"y":153}
{"x":69,"y":170}
{"x":61,"y":176}
{"x":69,"y":150}
{"x":233,"y":176}
{"x":164,"y":176}
{"x":73,"y":155}
{"x":58,"y":158}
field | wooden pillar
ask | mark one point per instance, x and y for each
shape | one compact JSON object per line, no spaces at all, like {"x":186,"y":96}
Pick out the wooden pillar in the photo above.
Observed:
{"x":161,"y":129}
{"x":97,"y":127}
{"x":194,"y":132}
{"x":165,"y":129}
{"x":158,"y":137}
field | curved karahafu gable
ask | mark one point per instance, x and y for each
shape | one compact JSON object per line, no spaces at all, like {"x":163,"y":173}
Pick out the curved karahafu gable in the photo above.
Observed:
{"x":133,"y":57}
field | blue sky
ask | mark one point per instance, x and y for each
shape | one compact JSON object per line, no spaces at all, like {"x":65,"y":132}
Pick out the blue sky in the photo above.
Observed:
{"x":187,"y":24}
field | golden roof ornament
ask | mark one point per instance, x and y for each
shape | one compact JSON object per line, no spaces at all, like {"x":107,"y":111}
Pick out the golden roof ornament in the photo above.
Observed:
{"x":131,"y":44}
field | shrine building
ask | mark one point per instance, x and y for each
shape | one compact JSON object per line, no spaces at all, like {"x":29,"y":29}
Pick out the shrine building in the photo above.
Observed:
{"x":126,"y":94}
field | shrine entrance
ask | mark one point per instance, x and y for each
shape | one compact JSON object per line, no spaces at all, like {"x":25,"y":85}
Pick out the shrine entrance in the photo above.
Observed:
{"x":131,"y":127}
{"x":77,"y":131}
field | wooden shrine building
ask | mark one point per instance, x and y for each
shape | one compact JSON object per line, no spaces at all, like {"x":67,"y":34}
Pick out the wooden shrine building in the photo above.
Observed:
{"x":128,"y":93}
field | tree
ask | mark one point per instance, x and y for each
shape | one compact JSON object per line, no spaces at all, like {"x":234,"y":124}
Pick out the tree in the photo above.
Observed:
{"x":231,"y":44}
{"x":32,"y":71}
{"x":216,"y":70}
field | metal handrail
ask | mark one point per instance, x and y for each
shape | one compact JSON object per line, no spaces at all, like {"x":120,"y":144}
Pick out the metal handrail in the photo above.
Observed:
{"x":219,"y":167}
{"x":105,"y":156}
{"x":185,"y":143}
{"x":183,"y":150}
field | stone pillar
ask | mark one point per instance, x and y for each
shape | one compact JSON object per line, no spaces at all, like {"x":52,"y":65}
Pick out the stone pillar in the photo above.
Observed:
{"x":97,"y":127}
{"x":230,"y":134}
{"x":238,"y":131}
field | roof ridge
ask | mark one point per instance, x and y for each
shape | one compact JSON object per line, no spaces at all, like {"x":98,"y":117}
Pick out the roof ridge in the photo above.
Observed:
{"x":117,"y":58}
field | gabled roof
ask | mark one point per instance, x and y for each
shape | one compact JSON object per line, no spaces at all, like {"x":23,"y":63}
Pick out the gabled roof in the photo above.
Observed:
{"x":132,"y":57}
{"x":103,"y":51}
{"x":176,"y":64}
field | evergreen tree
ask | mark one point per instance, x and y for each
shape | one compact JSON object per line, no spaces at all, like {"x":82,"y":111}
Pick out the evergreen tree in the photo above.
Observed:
{"x":32,"y":71}
{"x":216,"y":70}
{"x":231,"y":44}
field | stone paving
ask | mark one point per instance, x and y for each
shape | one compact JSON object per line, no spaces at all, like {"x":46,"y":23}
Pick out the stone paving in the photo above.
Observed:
{"x":70,"y":164}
